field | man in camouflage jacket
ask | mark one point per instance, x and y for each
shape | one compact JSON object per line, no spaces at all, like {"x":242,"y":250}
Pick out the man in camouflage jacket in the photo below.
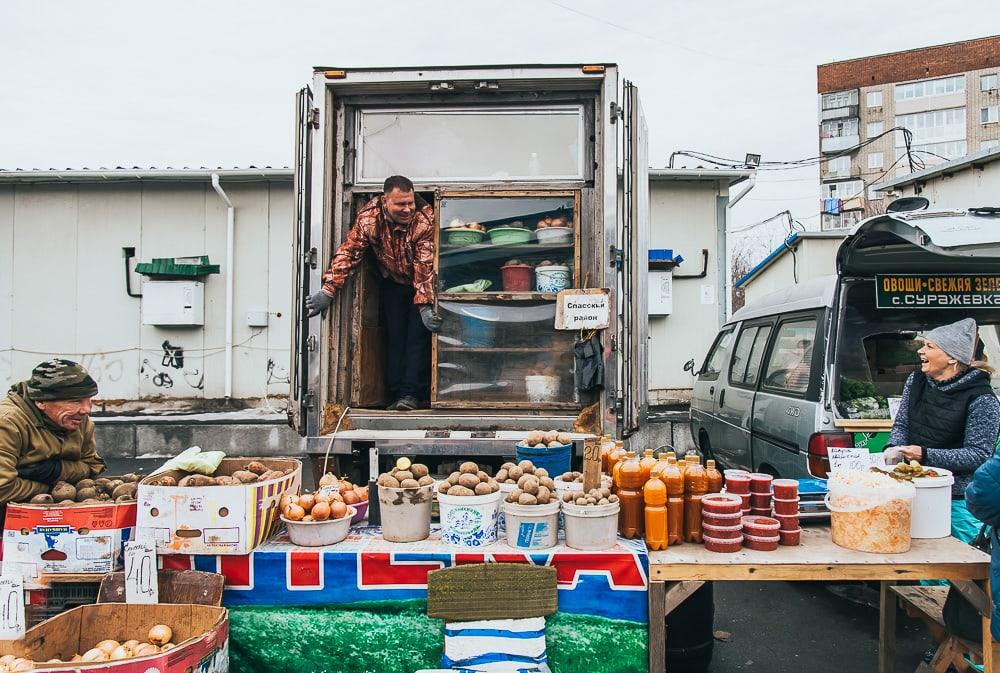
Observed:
{"x":399,"y":232}
{"x":46,"y":434}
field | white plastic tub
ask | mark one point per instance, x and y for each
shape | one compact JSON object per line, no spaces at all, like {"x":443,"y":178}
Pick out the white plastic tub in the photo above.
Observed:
{"x":932,"y":506}
{"x":532,"y":526}
{"x":554,"y":235}
{"x":577,"y":486}
{"x":869,"y":518}
{"x":469,"y":520}
{"x":542,"y":388}
{"x":552,"y":278}
{"x":406,"y":513}
{"x":319,"y":533}
{"x":591,"y":527}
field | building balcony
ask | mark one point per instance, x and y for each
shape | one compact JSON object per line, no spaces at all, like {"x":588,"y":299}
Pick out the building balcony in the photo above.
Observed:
{"x":838,"y":143}
{"x":848,"y":111}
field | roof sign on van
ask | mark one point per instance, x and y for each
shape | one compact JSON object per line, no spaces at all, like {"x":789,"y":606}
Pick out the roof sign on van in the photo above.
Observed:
{"x":937,"y":290}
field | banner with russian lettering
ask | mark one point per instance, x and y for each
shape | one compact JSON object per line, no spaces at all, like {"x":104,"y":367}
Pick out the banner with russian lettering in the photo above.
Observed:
{"x":937,"y":290}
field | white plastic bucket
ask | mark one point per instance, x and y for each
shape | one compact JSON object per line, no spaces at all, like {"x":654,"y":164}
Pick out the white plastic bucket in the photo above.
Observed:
{"x":591,"y":527}
{"x":554,"y":235}
{"x":932,"y":506}
{"x":552,"y":278}
{"x":532,"y":526}
{"x":469,"y":520}
{"x":542,"y":388}
{"x":577,"y":486}
{"x":319,"y":533}
{"x":871,"y":519}
{"x":406,"y":513}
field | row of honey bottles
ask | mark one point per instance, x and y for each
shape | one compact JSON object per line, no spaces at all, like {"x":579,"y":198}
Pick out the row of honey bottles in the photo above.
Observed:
{"x":660,"y":496}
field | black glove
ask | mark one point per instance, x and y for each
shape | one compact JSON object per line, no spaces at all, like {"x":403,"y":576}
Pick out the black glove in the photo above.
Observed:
{"x":318,"y":303}
{"x":46,"y":472}
{"x":431,"y":321}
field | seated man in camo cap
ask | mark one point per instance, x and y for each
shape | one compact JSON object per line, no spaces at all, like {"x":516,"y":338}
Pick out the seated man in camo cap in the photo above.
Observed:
{"x":46,"y":434}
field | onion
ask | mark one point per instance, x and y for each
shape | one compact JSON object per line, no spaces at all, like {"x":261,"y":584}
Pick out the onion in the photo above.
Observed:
{"x":328,"y":480}
{"x":160,"y":634}
{"x":145,"y":650}
{"x":167,"y":646}
{"x":121,"y":652}
{"x":95,"y":654}
{"x":22,"y":665}
{"x":108,"y":646}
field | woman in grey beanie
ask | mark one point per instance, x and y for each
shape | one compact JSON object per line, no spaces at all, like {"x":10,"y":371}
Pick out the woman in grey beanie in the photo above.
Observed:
{"x":949,"y":416}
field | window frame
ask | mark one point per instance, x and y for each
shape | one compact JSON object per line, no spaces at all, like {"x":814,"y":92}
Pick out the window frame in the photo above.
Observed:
{"x":873,"y":94}
{"x":989,"y":114}
{"x":754,"y":325}
{"x":811,"y":393}
{"x":868,"y":130}
{"x":714,"y":376}
{"x":987,"y":77}
{"x":881,"y":160}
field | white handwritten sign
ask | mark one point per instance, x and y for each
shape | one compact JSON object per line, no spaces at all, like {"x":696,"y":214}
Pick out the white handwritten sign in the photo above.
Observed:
{"x":843,"y":459}
{"x":140,"y":572}
{"x":583,"y":309}
{"x":12,"y":623}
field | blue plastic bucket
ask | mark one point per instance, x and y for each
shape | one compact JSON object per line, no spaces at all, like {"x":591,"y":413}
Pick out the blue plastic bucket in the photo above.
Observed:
{"x":478,"y":332}
{"x":555,"y":460}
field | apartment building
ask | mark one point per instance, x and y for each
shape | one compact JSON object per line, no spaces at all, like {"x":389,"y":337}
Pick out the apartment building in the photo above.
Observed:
{"x":946,"y":97}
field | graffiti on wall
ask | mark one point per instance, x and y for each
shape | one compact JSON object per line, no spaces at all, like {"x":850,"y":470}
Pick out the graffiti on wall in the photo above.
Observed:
{"x":276,"y":373}
{"x":170,"y":371}
{"x":103,"y":367}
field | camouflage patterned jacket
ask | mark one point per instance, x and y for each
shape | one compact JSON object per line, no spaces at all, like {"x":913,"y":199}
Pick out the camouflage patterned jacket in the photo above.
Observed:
{"x":26,"y":438}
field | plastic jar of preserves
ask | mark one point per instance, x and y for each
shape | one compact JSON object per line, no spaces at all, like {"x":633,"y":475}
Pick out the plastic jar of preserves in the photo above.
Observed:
{"x":720,"y":519}
{"x":738,"y":483}
{"x":760,"y":482}
{"x":786,"y":489}
{"x":761,"y":526}
{"x":787,"y":522}
{"x":722,"y":532}
{"x":721,"y":503}
{"x":789,"y":538}
{"x":724,"y":546}
{"x":760,"y":500}
{"x":758,"y":543}
{"x":786,"y":507}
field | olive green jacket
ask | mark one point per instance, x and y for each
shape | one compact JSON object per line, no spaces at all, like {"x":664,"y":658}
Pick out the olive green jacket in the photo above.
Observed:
{"x":26,"y":438}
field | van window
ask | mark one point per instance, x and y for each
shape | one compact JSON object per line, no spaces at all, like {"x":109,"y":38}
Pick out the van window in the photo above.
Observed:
{"x":877,"y":348}
{"x":717,"y":355}
{"x":789,"y":365}
{"x":747,"y":355}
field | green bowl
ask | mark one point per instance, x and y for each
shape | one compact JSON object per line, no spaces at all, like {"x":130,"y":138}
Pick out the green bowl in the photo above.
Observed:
{"x":464,"y":236}
{"x":509,"y":235}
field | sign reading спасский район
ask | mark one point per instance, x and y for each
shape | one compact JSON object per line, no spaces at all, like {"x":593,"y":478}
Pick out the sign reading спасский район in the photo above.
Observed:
{"x":583,"y":309}
{"x":937,"y":290}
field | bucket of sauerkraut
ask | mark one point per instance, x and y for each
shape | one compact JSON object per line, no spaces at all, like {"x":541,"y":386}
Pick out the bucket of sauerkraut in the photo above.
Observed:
{"x":870,"y":511}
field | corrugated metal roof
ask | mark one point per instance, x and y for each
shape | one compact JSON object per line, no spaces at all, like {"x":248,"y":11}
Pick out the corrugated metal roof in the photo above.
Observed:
{"x":968,"y":161}
{"x":145,"y":173}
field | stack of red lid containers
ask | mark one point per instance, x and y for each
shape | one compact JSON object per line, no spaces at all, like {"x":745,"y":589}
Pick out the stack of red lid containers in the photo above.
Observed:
{"x":742,"y":516}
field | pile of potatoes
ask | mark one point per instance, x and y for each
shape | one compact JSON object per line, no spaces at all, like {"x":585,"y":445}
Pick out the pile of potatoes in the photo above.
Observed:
{"x":551,"y":439}
{"x":322,"y":505}
{"x":570,"y":477}
{"x":91,"y":491}
{"x":406,"y":474}
{"x":595,"y":496}
{"x":534,"y":486}
{"x":468,"y":480}
{"x":111,"y":650}
{"x":252,"y":472}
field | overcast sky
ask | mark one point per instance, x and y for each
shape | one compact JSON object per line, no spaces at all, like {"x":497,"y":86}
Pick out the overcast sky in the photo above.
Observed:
{"x":183,"y":83}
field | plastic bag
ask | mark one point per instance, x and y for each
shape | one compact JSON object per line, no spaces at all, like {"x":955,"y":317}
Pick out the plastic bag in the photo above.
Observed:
{"x":588,"y":362}
{"x":195,"y":460}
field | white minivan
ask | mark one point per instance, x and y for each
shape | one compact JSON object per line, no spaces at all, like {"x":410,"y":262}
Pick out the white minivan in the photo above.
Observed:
{"x":822,"y":363}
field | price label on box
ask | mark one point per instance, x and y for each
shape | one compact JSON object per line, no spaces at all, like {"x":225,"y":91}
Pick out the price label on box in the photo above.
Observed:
{"x":12,"y":622}
{"x":140,"y":572}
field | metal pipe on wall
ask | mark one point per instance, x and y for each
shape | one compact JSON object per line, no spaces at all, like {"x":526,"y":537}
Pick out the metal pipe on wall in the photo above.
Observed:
{"x":230,"y":239}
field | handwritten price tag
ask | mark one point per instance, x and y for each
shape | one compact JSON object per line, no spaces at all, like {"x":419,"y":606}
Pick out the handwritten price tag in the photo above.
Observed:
{"x":12,"y":623}
{"x":140,"y":572}
{"x":842,"y":459}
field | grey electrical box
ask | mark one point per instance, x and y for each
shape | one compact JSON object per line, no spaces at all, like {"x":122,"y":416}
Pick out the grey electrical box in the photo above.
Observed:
{"x":256,"y":318}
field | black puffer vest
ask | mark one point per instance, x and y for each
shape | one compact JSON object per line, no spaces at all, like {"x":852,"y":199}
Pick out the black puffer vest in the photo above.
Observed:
{"x":936,"y":417}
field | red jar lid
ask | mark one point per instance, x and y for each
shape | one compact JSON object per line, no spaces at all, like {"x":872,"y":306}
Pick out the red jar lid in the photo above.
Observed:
{"x":761,"y":525}
{"x":721,"y":503}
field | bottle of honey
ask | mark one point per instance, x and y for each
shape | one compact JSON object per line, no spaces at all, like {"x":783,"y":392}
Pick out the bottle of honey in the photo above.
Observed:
{"x":660,"y":466}
{"x":630,"y":516}
{"x":654,"y":494}
{"x":674,"y":482}
{"x":615,"y":459}
{"x":714,"y":476}
{"x":695,"y":487}
{"x":647,"y":462}
{"x":607,"y":445}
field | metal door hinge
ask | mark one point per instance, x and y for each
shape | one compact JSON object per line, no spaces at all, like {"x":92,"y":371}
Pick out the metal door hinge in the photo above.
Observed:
{"x":311,"y":343}
{"x":616,"y":112}
{"x":614,"y":342}
{"x":309,"y":400}
{"x":309,"y":258}
{"x":313,"y":118}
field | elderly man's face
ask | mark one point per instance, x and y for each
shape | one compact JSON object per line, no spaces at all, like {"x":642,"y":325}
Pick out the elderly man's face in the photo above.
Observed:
{"x":400,"y":205}
{"x":66,"y":414}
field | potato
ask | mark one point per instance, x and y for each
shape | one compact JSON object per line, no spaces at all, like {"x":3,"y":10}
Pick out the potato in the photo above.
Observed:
{"x":113,"y":484}
{"x":482,"y":488}
{"x":515,"y":494}
{"x":612,"y":498}
{"x":541,"y":445}
{"x":460,"y":490}
{"x":271,"y":474}
{"x":527,"y":466}
{"x":569,"y":496}
{"x":514,"y":473}
{"x":102,"y":482}
{"x":547,"y":483}
{"x":165,"y":480}
{"x":87,"y":493}
{"x":131,"y":477}
{"x":256,"y":467}
{"x":494,"y":486}
{"x":425,"y":480}
{"x":551,"y":436}
{"x":443,"y":487}
{"x":603,"y":501}
{"x":581,"y":500}
{"x":507,"y":466}
{"x":197,"y":481}
{"x":403,"y":475}
{"x":409,"y":483}
{"x":554,"y":445}
{"x":225,"y":480}
{"x":125,"y":498}
{"x":468,"y":480}
{"x":103,"y":497}
{"x":564,"y":438}
{"x":543,"y":493}
{"x":541,"y":472}
{"x":502,"y":475}
{"x":245,"y":476}
{"x":453,"y":478}
{"x":468,"y":467}
{"x":533,"y":438}
{"x":482,"y":476}
{"x":527,"y":499}
{"x":64,"y":492}
{"x":42,"y":499}
{"x":85,"y":483}
{"x":124,"y":489}
{"x":605,"y":492}
{"x":419,"y":470}
{"x":388,"y":481}
{"x":67,"y":502}
{"x":529,"y":484}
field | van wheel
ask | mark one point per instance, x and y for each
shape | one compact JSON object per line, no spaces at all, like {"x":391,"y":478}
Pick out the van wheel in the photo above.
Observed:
{"x":767,"y":469}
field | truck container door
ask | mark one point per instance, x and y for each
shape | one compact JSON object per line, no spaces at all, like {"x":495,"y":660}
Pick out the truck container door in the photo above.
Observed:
{"x":633,"y":267}
{"x":304,"y":262}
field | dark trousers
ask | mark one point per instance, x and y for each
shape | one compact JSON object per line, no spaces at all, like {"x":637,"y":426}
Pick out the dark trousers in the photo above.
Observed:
{"x":407,"y":343}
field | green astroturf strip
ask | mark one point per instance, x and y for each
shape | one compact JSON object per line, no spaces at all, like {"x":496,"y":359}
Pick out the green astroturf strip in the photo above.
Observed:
{"x":398,"y":637}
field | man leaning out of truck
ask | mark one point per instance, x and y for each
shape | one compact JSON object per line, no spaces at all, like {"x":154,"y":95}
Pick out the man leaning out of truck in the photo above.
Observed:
{"x":398,"y":227}
{"x":46,"y":434}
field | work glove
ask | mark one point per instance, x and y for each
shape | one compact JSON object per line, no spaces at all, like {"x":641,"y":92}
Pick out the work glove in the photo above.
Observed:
{"x":431,"y":321}
{"x":318,"y":303}
{"x":45,"y":472}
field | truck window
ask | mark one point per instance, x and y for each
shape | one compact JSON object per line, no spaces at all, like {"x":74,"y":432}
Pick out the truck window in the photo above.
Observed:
{"x":717,"y":355}
{"x":747,"y":355}
{"x":877,"y":348}
{"x":790,"y":363}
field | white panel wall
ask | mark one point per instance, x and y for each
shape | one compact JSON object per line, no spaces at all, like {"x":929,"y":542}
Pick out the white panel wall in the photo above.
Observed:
{"x":963,"y":189}
{"x":62,"y":285}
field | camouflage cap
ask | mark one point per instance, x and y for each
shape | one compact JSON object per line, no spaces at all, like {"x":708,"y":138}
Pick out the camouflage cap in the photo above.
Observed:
{"x":60,"y":379}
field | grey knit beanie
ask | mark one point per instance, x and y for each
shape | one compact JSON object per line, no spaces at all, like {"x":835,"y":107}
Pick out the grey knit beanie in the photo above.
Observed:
{"x":957,"y":339}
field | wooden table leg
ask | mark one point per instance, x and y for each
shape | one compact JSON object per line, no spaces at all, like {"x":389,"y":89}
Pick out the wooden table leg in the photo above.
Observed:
{"x":886,"y":628}
{"x":657,"y":641}
{"x":991,"y":649}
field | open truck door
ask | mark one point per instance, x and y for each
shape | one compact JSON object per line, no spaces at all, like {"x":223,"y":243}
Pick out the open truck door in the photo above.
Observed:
{"x":633,"y":268}
{"x":305,"y":333}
